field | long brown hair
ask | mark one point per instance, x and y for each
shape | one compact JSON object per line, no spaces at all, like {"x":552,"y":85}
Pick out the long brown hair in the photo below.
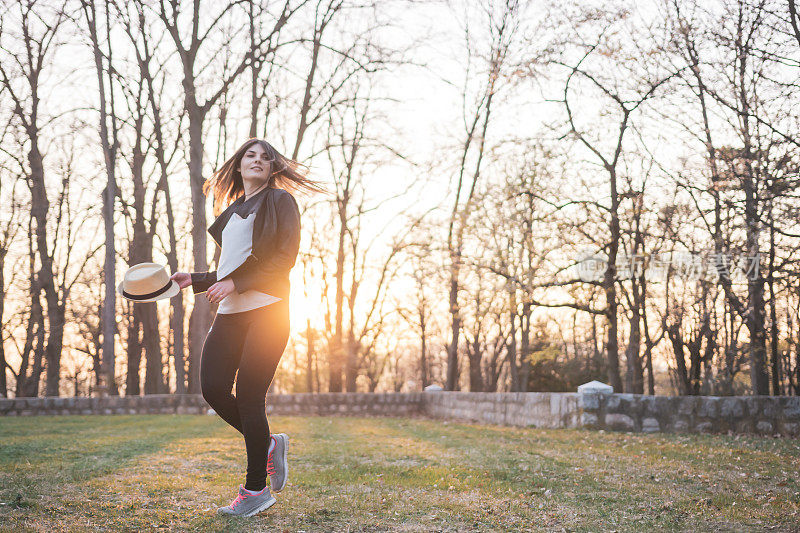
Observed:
{"x":227,"y":185}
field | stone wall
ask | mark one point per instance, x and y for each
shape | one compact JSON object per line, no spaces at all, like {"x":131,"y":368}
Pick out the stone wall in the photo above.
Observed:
{"x":286,"y":404}
{"x":525,"y":409}
{"x":346,"y":403}
{"x":110,"y":405}
{"x":764,"y":415}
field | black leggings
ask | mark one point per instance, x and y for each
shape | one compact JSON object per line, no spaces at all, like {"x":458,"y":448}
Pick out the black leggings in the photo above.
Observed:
{"x":251,"y":342}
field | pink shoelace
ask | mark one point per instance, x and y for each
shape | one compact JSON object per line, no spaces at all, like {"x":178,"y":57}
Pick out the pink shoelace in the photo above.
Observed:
{"x":241,"y":497}
{"x":270,"y":464}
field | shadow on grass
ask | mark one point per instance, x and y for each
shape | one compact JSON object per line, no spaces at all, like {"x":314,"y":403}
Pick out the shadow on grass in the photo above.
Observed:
{"x":41,"y":454}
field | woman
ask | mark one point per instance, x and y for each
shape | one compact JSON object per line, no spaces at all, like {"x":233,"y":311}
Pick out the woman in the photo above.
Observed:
{"x":259,"y":233}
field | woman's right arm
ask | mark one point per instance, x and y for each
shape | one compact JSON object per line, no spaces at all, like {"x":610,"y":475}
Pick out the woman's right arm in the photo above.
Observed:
{"x":199,"y":281}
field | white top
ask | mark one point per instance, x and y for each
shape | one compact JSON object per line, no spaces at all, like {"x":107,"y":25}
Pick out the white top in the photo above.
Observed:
{"x":237,"y":245}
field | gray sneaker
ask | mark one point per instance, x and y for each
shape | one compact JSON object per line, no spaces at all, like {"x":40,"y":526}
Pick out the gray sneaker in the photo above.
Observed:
{"x":276,"y":462}
{"x":247,"y":504}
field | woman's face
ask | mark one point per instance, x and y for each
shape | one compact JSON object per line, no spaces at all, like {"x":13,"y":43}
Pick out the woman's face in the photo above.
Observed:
{"x":255,"y":166}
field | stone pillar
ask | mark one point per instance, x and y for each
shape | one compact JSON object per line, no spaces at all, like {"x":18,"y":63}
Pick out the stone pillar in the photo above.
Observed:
{"x":590,"y":397}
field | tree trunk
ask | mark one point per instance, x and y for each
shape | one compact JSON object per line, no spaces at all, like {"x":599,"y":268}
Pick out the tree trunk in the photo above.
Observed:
{"x":755,"y":291}
{"x":423,"y":351}
{"x":134,"y":352}
{"x":337,"y":353}
{"x":351,"y":368}
{"x":309,"y":356}
{"x":674,"y":333}
{"x":475,"y":356}
{"x":453,"y":370}
{"x":176,"y":321}
{"x":28,"y":384}
{"x":634,"y":376}
{"x":39,"y":208}
{"x":154,"y":367}
{"x":32,"y":383}
{"x":610,"y":287}
{"x":33,"y":319}
{"x":511,"y":349}
{"x":3,"y":362}
{"x":777,"y":371}
{"x":200,"y":320}
{"x":525,"y":347}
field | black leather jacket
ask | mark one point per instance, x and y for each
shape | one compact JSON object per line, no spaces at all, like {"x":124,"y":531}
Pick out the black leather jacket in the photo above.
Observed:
{"x":276,"y":241}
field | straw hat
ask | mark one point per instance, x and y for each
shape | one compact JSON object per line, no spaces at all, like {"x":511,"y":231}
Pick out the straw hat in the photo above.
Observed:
{"x":147,"y":282}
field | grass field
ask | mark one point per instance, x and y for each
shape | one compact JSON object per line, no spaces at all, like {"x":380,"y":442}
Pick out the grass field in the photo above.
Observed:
{"x":168,"y":472}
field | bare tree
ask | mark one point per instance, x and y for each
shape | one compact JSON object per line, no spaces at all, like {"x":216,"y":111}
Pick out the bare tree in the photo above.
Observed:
{"x":422,"y":315}
{"x":624,"y":96}
{"x":8,"y":232}
{"x":502,"y":23}
{"x":734,"y":79}
{"x":143,"y":101}
{"x":109,"y":140}
{"x":20,"y":75}
{"x":515,"y":222}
